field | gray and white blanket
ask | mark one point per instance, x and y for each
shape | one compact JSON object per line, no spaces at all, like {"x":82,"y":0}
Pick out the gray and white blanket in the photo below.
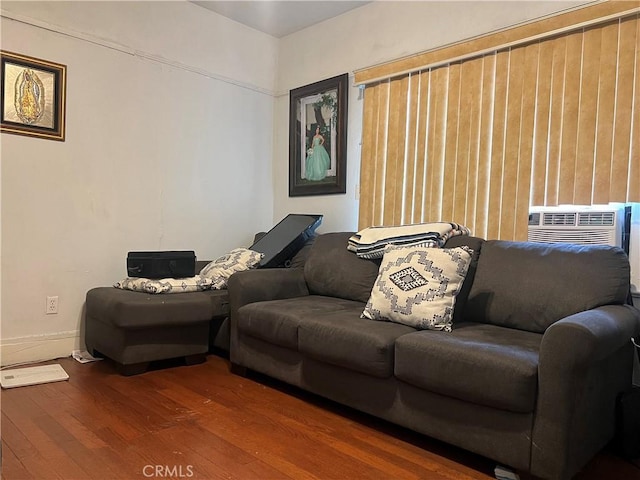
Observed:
{"x":370,"y":242}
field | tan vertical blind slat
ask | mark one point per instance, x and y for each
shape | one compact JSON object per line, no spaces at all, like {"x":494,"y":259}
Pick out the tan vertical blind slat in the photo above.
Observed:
{"x":587,"y":108}
{"x":367,"y":162}
{"x":367,"y":158}
{"x":512,"y":142}
{"x":474,"y":105}
{"x":571,"y":97}
{"x":501,"y":82}
{"x":605,"y":115}
{"x":467,"y":140}
{"x":542,"y":134}
{"x":624,"y":105}
{"x":554,"y":144}
{"x":421,"y":152}
{"x":459,"y":192}
{"x":451,"y":142}
{"x":380,"y":159}
{"x":372,"y":163}
{"x":411,"y":149}
{"x":485,"y":146}
{"x":390,"y":184}
{"x":393,"y":179}
{"x":437,"y":133}
{"x":525,"y":154}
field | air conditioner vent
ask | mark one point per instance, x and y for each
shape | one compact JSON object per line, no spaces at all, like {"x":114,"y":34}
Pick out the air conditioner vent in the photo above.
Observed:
{"x":599,"y":219}
{"x":578,"y":224}
{"x":580,"y":237}
{"x":559,"y":218}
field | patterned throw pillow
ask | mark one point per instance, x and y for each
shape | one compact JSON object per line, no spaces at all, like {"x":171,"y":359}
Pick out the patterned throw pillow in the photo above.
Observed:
{"x":236,"y":260}
{"x":165,"y":285}
{"x":418,"y":286}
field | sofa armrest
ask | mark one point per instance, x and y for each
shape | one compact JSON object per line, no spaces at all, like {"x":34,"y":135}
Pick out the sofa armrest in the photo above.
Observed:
{"x":268,"y":284}
{"x":588,"y":337}
{"x":585,"y":362}
{"x":260,"y":285}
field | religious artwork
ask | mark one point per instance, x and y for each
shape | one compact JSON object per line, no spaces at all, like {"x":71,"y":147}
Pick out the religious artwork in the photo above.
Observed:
{"x":318,"y":137}
{"x":33,"y":96}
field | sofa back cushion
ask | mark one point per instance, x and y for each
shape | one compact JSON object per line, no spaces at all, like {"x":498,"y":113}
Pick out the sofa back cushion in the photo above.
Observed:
{"x":300,"y":258}
{"x":530,"y":286}
{"x":334,"y":271}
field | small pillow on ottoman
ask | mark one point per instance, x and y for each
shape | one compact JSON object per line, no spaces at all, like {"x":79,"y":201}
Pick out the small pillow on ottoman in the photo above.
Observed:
{"x":418,"y":286}
{"x":236,"y":260}
{"x":165,"y":285}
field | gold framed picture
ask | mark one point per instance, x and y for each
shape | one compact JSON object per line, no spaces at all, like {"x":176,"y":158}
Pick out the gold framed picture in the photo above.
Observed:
{"x":33,"y":96}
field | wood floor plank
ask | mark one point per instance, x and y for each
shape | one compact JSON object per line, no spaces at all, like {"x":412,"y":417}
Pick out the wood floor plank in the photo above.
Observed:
{"x":13,"y":467}
{"x":204,"y":421}
{"x":99,"y":405}
{"x":28,"y":419}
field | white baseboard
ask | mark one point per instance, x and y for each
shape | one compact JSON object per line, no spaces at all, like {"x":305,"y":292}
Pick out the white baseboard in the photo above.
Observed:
{"x":38,"y":347}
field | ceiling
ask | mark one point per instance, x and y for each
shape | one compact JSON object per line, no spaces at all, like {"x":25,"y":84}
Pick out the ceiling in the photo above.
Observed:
{"x":279,"y":18}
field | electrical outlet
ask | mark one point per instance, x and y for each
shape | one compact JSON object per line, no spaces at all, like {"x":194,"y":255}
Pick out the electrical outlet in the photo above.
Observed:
{"x":52,"y":305}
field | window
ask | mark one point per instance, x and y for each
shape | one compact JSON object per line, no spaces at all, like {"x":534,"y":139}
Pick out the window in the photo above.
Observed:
{"x":542,"y":114}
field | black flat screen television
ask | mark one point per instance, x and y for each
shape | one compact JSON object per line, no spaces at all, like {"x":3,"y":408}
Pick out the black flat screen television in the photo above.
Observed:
{"x":286,"y":239}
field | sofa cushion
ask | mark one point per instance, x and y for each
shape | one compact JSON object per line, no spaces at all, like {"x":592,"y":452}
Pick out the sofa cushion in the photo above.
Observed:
{"x":417,"y":286}
{"x":334,"y":271}
{"x":345,"y":340}
{"x":484,"y":364}
{"x":277,"y":321}
{"x":530,"y":286}
{"x":137,"y":310}
{"x":300,"y":258}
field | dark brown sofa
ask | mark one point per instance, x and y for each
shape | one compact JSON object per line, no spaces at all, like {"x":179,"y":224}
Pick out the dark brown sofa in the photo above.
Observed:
{"x":528,"y":377}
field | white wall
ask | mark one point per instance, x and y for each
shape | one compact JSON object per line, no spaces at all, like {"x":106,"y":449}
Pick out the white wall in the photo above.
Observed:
{"x":369,"y":35}
{"x":168,"y":146}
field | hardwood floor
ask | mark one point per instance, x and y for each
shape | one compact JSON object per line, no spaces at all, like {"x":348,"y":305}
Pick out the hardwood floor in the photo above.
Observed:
{"x":203,"y":422}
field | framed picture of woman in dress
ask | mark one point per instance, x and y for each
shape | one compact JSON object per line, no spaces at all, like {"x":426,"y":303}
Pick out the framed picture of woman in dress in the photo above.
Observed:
{"x":318,"y":137}
{"x":33,"y":96}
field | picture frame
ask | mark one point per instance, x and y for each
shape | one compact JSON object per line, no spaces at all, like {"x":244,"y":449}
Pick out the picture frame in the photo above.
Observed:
{"x":318,"y":137}
{"x":33,"y":96}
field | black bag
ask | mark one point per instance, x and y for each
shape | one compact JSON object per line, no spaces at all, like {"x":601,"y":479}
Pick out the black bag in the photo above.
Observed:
{"x":169,"y":264}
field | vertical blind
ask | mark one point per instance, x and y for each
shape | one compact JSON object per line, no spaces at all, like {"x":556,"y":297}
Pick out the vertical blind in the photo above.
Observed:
{"x":477,"y":141}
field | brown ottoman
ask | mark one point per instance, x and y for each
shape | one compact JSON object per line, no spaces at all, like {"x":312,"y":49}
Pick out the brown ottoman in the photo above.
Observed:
{"x":135,"y":328}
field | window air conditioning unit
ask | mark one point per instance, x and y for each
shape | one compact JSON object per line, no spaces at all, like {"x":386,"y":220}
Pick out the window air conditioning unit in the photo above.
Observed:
{"x":589,"y":225}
